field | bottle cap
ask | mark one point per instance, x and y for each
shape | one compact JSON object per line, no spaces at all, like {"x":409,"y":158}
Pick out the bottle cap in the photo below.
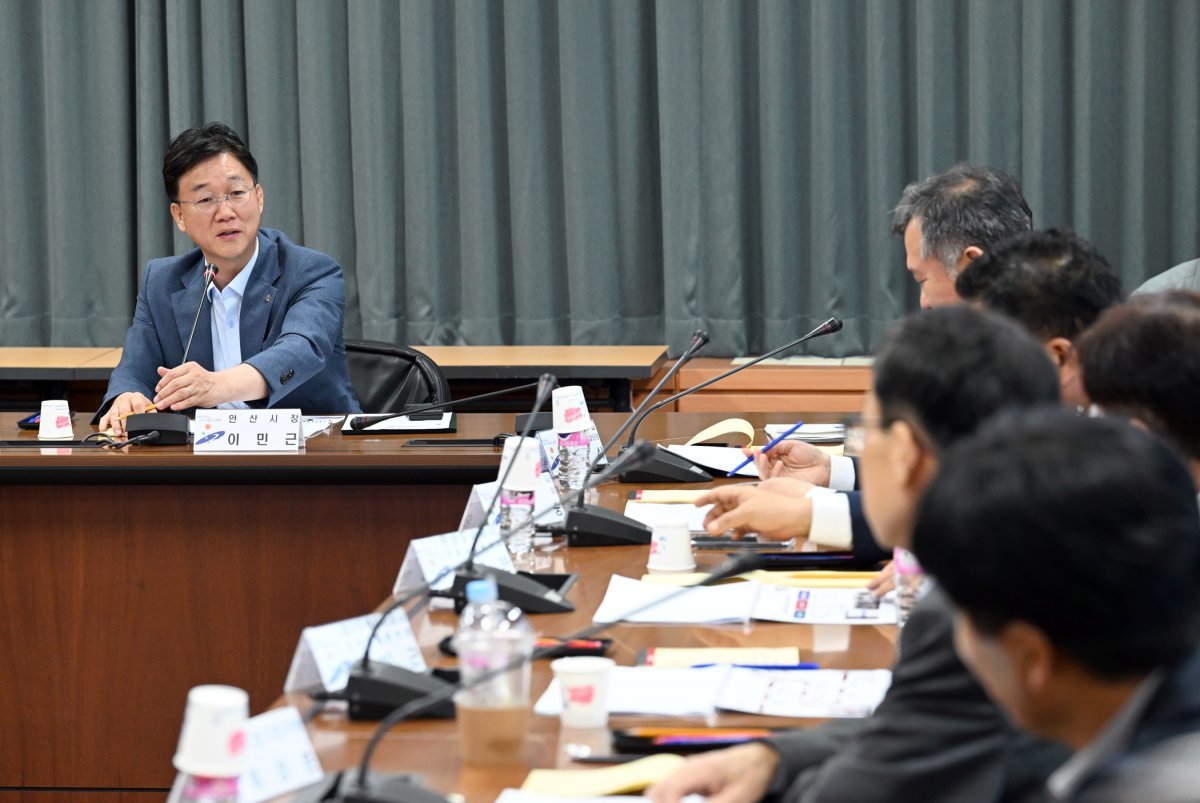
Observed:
{"x":482,"y":590}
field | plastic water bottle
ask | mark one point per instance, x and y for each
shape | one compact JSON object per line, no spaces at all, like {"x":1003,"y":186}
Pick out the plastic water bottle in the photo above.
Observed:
{"x":909,"y":579}
{"x":573,"y":450}
{"x":516,"y":520}
{"x":492,"y":634}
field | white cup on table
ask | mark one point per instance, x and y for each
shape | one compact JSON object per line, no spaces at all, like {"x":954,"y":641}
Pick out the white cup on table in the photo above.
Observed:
{"x":583,"y":683}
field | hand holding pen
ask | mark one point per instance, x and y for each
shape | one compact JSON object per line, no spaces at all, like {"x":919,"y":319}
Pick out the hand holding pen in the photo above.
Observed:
{"x":774,"y":442}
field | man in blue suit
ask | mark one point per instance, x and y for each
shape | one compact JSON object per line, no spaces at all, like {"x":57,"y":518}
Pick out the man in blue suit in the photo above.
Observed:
{"x":269,"y":332}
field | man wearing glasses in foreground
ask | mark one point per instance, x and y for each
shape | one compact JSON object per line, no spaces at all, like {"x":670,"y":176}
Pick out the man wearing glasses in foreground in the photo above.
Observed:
{"x":269,"y":333}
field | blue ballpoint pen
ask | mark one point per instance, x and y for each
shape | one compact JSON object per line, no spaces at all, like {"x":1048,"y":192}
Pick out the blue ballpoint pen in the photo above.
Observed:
{"x":770,"y":445}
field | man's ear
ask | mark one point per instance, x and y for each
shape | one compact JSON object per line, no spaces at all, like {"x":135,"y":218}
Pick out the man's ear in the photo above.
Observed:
{"x":969,"y":255}
{"x":1034,"y":659}
{"x":177,"y":216}
{"x":912,"y":463}
{"x":1060,"y":351}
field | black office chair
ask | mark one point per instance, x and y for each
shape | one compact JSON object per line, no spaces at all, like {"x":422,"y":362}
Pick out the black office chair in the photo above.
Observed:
{"x":386,"y":377}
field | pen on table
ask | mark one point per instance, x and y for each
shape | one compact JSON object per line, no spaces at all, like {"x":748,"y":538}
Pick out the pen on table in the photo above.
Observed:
{"x":770,"y":445}
{"x":763,"y":666}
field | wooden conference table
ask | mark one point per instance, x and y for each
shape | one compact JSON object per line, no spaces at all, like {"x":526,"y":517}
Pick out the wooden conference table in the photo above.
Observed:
{"x":126,"y":579}
{"x":55,"y":371}
{"x":429,"y":748}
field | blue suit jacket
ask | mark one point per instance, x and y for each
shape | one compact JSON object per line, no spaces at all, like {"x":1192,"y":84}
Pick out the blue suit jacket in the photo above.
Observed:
{"x":291,"y":327}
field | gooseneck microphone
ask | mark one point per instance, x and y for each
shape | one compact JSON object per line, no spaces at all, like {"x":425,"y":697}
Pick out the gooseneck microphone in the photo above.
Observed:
{"x":669,"y":467}
{"x":359,"y":790}
{"x":361,"y":422}
{"x":210,"y":275}
{"x":593,"y":525}
{"x":375,"y":688}
{"x":172,"y":427}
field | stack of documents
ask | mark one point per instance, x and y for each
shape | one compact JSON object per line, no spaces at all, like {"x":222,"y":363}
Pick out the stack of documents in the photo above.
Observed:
{"x":629,"y":600}
{"x":809,"y":433}
{"x":798,"y":691}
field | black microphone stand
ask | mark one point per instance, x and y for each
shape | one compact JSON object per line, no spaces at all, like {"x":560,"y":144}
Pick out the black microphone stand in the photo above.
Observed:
{"x":594,"y":525}
{"x":173,"y":428}
{"x":375,"y":688}
{"x":404,"y":789}
{"x":669,"y":467}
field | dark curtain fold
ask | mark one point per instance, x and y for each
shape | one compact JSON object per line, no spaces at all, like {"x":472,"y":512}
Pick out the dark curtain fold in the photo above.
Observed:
{"x":532,"y":171}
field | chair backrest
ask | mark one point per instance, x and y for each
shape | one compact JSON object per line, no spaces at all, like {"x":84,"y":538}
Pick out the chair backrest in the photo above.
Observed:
{"x":386,"y":376}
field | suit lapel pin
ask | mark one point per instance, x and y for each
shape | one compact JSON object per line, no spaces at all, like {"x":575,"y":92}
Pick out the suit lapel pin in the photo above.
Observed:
{"x":267,"y":298}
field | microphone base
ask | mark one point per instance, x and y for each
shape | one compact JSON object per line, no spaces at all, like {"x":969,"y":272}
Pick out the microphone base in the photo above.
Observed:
{"x":667,"y":467}
{"x":377,"y":691}
{"x":381,"y":788}
{"x":521,"y":590}
{"x":592,"y":525}
{"x":172,"y":427}
{"x":539,"y":422}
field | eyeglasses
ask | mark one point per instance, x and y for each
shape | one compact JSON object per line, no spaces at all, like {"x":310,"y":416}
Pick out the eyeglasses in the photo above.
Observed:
{"x":856,"y":432}
{"x":209,"y":203}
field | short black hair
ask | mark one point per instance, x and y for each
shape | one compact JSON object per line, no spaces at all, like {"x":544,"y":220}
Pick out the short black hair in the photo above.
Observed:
{"x":1053,"y":282}
{"x":195,"y":145}
{"x":947,"y":370}
{"x":1086,"y":529}
{"x":964,"y":206}
{"x":1143,"y":359}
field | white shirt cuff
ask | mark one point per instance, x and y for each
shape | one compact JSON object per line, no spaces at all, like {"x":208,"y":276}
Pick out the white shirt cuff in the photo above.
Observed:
{"x":831,"y":521}
{"x":841,"y":473}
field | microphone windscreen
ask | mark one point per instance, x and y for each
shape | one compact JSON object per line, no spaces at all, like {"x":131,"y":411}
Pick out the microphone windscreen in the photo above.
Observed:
{"x":834,"y":324}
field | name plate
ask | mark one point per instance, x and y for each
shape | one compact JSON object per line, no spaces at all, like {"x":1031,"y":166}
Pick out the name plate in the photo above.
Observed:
{"x":326,"y":653}
{"x":430,"y":557}
{"x":248,"y":431}
{"x":278,"y":758}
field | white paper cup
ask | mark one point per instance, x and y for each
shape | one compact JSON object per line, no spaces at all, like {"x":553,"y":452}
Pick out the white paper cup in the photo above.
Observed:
{"x":213,"y":741}
{"x":570,"y":410}
{"x":583,"y":682}
{"x":671,"y":549}
{"x":524,"y":475}
{"x":55,"y":424}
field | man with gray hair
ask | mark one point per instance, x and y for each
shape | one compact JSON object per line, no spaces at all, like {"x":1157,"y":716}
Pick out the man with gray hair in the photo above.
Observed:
{"x":949,"y":219}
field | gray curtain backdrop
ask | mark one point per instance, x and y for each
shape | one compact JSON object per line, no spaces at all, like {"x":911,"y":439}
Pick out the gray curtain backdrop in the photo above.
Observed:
{"x":532,"y":171}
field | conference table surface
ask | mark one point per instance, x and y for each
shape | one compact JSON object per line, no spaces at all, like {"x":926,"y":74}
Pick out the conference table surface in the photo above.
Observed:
{"x":429,"y":748}
{"x":120,"y":571}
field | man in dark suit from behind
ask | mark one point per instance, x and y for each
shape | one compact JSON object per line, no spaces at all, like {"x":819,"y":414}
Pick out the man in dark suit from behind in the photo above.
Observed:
{"x":1071,"y":550}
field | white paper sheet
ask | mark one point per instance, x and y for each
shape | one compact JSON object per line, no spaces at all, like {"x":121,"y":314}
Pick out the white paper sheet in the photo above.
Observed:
{"x":721,"y":459}
{"x":709,"y":605}
{"x":811,"y":433}
{"x":655,"y":514}
{"x":737,"y":602}
{"x":804,"y":692}
{"x":823,"y":606}
{"x":651,"y":690}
